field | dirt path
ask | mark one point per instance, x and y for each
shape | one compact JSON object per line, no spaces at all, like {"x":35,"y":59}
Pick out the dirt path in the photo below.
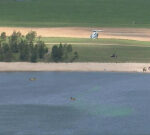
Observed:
{"x":141,"y":34}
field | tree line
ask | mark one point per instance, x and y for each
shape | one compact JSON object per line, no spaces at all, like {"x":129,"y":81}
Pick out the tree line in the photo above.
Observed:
{"x":30,"y":48}
{"x":63,"y":53}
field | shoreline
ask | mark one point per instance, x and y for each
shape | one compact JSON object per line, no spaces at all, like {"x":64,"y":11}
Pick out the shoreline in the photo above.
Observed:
{"x":74,"y":67}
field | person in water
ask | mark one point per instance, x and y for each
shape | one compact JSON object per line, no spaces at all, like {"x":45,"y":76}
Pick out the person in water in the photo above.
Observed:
{"x":72,"y":98}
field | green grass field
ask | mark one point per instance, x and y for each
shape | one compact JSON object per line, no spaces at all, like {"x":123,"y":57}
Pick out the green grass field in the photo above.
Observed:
{"x":50,"y":13}
{"x":95,"y":41}
{"x":105,"y":13}
{"x":100,"y":50}
{"x":97,"y":53}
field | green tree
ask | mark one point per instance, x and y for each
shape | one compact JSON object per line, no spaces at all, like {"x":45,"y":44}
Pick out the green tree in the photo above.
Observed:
{"x":7,"y":54}
{"x":60,"y":52}
{"x":3,"y":36}
{"x":63,"y":53}
{"x":42,"y":49}
{"x":54,"y":53}
{"x":18,"y":48}
{"x":1,"y":53}
{"x":14,"y":41}
{"x":34,"y":54}
{"x":24,"y":52}
{"x":31,"y":36}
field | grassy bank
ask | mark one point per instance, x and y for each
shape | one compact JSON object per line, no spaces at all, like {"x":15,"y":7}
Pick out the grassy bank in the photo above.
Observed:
{"x":102,"y":53}
{"x":100,"y":50}
{"x":50,"y":13}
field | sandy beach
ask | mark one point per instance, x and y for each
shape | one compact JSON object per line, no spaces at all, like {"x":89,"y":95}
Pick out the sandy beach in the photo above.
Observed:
{"x":106,"y":67}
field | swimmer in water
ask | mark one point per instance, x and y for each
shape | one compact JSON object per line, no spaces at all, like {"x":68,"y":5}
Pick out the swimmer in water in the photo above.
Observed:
{"x":72,"y":98}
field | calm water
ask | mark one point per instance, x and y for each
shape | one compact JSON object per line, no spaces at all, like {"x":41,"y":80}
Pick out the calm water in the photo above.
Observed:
{"x":106,"y":103}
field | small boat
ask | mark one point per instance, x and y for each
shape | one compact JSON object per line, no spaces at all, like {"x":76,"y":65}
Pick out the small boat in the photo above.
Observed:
{"x":32,"y":79}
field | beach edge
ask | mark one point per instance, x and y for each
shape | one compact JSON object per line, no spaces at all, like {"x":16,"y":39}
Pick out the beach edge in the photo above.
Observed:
{"x":79,"y":67}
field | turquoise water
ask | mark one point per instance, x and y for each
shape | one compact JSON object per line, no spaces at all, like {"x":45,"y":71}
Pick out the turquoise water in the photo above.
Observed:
{"x":105,"y":103}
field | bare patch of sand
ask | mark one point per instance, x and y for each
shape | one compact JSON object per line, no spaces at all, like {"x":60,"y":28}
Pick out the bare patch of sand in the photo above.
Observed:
{"x":141,"y":34}
{"x":110,"y":67}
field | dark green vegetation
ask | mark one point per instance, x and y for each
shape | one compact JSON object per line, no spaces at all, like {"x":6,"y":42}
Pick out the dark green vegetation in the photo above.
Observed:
{"x":125,"y":50}
{"x":63,"y":53}
{"x":32,"y":49}
{"x":20,"y":48}
{"x":103,"y":53}
{"x":45,"y":13}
